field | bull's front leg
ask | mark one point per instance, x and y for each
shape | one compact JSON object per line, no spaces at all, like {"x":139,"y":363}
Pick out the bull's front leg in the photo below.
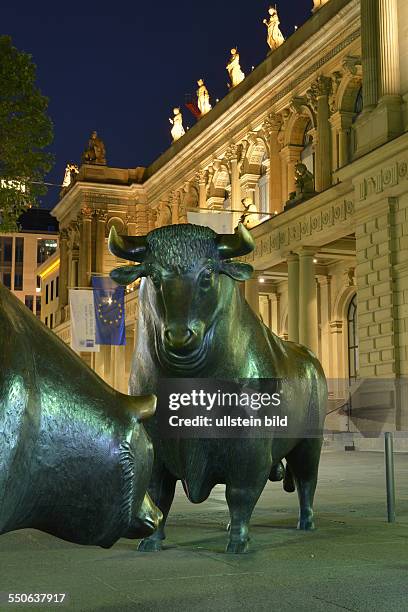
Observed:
{"x":161,"y":489}
{"x":241,"y":503}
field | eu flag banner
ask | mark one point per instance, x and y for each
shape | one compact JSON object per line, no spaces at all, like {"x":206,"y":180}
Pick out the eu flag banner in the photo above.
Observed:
{"x":109,"y":303}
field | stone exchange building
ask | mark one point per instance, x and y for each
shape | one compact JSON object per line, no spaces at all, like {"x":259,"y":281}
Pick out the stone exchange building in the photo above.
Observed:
{"x":316,"y":138}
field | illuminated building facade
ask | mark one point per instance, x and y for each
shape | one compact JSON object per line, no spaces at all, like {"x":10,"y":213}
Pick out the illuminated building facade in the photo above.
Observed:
{"x":21,"y":252}
{"x":316,"y":137}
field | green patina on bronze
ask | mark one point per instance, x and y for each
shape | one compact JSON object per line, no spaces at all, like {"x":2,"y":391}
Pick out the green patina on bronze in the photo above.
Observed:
{"x":75,"y":460}
{"x":195,"y":323}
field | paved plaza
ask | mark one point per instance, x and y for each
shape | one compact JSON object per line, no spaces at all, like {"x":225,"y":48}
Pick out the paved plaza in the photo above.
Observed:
{"x":353,"y":561}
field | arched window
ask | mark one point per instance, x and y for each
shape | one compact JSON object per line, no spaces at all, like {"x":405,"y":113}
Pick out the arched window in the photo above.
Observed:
{"x":307,"y":156}
{"x":352,"y":339}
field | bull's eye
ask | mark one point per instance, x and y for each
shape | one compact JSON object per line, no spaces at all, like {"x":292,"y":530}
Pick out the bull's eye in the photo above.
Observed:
{"x":206,"y":278}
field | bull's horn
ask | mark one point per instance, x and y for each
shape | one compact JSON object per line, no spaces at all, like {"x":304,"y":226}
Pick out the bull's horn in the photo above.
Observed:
{"x":132,"y":248}
{"x":143,"y":406}
{"x":235,"y":245}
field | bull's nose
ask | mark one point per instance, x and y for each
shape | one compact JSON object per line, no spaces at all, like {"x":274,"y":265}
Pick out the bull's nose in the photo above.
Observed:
{"x":178,"y":337}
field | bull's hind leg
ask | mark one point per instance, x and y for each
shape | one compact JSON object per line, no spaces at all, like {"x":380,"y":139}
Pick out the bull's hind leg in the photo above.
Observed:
{"x":241,"y":503}
{"x":303,"y":462}
{"x":161,"y":490}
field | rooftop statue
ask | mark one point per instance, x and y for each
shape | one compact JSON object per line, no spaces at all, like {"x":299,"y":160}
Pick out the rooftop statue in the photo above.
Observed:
{"x":234,"y":69}
{"x":74,"y":457}
{"x":317,"y":4}
{"x":71,"y":170}
{"x":177,"y":131}
{"x":194,"y":322}
{"x":96,"y":152}
{"x":203,"y":98}
{"x":275,"y":36}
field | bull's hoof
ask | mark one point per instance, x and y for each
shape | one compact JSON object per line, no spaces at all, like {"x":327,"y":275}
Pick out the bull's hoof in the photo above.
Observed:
{"x":149,"y":545}
{"x":306,"y":525}
{"x":237,"y":548}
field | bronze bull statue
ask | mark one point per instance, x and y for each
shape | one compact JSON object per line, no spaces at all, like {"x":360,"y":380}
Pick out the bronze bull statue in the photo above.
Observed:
{"x":75,"y":460}
{"x":195,"y":323}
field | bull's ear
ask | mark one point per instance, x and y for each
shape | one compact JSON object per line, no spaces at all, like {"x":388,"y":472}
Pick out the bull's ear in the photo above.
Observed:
{"x":237,"y":270}
{"x":127,"y":274}
{"x":142,"y":406}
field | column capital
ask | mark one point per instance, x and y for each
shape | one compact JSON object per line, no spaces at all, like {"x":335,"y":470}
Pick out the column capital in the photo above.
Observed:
{"x":86,"y":213}
{"x":201,"y":177}
{"x":101,"y":215}
{"x":64,"y":234}
{"x":291,"y":256}
{"x":291,"y":153}
{"x":324,"y":280}
{"x":129,"y":219}
{"x":322,"y":86}
{"x":272,"y":123}
{"x":298,"y":103}
{"x":352,"y":65}
{"x":342,"y":120}
{"x":232,"y":153}
{"x":307,"y":251}
{"x":249,"y":181}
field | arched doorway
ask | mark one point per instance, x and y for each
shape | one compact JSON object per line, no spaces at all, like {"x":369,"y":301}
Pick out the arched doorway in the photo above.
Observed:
{"x":352,"y":329}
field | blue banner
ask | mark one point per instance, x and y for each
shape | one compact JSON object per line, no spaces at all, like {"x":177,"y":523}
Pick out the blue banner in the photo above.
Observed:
{"x":109,"y":304}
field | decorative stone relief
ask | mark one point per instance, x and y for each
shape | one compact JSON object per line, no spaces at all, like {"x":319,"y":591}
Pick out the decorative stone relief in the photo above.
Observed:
{"x":352,"y":65}
{"x":388,"y":177}
{"x":309,"y":225}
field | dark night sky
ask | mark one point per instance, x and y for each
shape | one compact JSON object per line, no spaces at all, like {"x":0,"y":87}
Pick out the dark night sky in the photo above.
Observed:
{"x":121,"y":70}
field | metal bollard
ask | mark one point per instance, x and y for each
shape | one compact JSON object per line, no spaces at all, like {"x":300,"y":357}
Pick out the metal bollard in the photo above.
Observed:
{"x":390,"y":476}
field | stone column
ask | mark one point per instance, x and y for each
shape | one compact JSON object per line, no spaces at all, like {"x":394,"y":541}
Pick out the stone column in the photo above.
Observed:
{"x":290,"y":156}
{"x":272,"y":127}
{"x":101,"y":218}
{"x":202,"y":188}
{"x":74,"y":272}
{"x":85,"y":245}
{"x":389,"y":48}
{"x":369,"y":44}
{"x":275,"y":312}
{"x":321,"y":89}
{"x":307,"y":300}
{"x":293,"y":297}
{"x":120,"y":382}
{"x":63,"y":271}
{"x":341,"y":123}
{"x":325,"y":316}
{"x":100,"y":362}
{"x":232,"y":158}
{"x":252,"y":294}
{"x":339,"y":378}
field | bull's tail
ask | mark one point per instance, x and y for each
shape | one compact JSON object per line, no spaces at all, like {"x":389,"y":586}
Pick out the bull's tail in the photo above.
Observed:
{"x":288,"y":482}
